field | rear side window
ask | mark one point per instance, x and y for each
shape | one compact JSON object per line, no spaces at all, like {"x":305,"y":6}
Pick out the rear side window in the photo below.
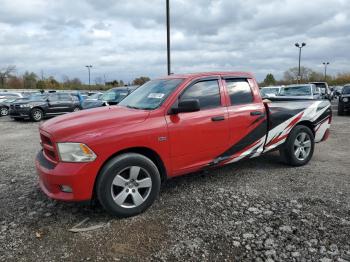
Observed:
{"x":239,"y":91}
{"x":64,"y":97}
{"x":207,"y":92}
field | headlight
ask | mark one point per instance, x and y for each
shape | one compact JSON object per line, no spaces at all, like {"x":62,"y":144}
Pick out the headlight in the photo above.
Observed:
{"x":26,"y":105}
{"x":345,"y":99}
{"x":75,"y":152}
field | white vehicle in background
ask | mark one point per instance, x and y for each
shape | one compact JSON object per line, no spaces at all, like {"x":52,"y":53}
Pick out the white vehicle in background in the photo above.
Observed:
{"x":301,"y":91}
{"x":270,"y":91}
{"x":6,"y":95}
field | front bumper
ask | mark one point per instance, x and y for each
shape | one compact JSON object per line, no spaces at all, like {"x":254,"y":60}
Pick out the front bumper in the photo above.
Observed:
{"x":20,"y":112}
{"x":80,"y":177}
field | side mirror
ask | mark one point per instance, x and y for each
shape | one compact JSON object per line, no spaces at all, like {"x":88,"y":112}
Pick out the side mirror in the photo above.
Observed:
{"x":190,"y":105}
{"x":337,"y":93}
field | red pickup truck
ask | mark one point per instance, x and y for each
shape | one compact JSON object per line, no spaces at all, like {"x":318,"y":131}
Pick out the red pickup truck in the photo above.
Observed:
{"x":169,"y":127}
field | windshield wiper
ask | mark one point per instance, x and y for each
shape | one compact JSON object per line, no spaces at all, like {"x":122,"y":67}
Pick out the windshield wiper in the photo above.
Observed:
{"x":140,"y":108}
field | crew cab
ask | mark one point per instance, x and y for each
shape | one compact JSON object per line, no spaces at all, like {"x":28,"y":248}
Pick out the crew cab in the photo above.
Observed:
{"x":169,"y":127}
{"x":38,"y":106}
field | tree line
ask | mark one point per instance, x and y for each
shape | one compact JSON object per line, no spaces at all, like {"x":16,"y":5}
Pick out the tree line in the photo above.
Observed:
{"x":307,"y":75}
{"x":30,"y":80}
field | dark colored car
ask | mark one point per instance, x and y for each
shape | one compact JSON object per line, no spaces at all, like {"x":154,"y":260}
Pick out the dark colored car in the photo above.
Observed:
{"x":344,"y":100}
{"x":111,"y":97}
{"x":37,"y":107}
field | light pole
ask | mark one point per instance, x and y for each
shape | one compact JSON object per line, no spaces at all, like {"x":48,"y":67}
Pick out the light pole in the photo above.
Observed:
{"x":168,"y":35}
{"x":300,"y":47}
{"x":89,"y":67}
{"x":325,"y":70}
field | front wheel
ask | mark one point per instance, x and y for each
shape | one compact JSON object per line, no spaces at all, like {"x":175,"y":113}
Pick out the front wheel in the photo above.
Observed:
{"x":4,"y":111}
{"x":36,"y":114}
{"x":128,"y":184}
{"x":299,"y":147}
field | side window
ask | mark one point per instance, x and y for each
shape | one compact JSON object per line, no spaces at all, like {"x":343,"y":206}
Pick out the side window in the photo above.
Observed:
{"x":239,"y":91}
{"x":207,"y":92}
{"x":53,"y":97}
{"x":65,"y":97}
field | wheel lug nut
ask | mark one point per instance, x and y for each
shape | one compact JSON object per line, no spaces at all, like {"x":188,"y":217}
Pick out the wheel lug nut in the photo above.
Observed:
{"x":127,"y":190}
{"x":133,"y":190}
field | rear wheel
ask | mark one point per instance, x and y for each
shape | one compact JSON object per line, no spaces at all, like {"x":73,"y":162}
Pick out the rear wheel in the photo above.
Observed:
{"x":128,"y":185}
{"x":299,"y":147}
{"x":36,"y":114}
{"x":4,"y":111}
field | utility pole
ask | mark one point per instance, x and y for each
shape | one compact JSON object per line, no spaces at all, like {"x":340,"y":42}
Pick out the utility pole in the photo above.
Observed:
{"x":89,"y":67}
{"x":325,"y":70}
{"x":168,"y":36}
{"x":300,"y":47}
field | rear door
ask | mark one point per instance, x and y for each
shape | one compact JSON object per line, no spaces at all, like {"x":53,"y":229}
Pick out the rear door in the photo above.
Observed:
{"x":54,"y":104}
{"x":66,"y":103}
{"x":247,"y":119}
{"x":197,"y":138}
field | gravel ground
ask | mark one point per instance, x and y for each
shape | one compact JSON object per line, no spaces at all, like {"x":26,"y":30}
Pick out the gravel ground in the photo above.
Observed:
{"x":256,"y":210}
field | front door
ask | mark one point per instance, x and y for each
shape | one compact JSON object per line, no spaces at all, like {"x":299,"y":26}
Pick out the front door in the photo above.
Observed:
{"x":196,"y":138}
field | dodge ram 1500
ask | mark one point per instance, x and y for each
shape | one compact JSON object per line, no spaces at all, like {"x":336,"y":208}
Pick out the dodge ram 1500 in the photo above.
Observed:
{"x":170,"y":127}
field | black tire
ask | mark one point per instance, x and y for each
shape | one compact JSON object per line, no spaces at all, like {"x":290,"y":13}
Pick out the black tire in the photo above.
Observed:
{"x":4,"y":111}
{"x":36,"y":114}
{"x":340,"y":110}
{"x":288,"y":151}
{"x":121,"y":166}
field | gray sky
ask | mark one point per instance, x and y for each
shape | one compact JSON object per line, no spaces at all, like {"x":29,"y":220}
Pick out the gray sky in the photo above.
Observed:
{"x":125,"y":39}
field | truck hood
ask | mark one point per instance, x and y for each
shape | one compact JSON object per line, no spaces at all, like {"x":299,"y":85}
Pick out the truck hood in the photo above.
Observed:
{"x":92,"y":122}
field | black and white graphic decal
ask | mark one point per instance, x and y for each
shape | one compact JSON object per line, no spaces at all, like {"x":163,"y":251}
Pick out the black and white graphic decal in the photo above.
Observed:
{"x":283,"y":116}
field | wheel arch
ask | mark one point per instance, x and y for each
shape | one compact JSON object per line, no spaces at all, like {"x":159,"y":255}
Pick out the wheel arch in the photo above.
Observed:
{"x":38,"y":107}
{"x":308,"y":124}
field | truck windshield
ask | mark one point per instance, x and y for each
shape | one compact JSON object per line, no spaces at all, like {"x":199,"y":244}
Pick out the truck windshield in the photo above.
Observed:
{"x":152,"y":94}
{"x":295,"y":91}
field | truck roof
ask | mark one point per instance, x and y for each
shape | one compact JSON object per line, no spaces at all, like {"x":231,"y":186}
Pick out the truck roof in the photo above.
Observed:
{"x":204,"y":74}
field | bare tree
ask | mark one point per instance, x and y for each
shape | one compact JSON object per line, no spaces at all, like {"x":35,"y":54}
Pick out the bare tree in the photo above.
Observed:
{"x":6,"y":73}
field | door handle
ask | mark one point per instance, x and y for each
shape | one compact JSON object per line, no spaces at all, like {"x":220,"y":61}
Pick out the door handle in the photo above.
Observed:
{"x":256,"y":113}
{"x":217,"y":118}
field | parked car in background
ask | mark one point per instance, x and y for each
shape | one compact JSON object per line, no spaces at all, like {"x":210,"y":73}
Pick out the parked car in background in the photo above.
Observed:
{"x":169,"y":127}
{"x":111,"y":97}
{"x":270,"y":91}
{"x":301,"y":91}
{"x":344,"y":100}
{"x":5,"y":106}
{"x":325,"y":90}
{"x":38,"y":106}
{"x":7,"y":95}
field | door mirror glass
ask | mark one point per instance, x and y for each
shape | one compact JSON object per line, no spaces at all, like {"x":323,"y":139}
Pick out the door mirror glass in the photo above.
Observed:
{"x":188,"y":105}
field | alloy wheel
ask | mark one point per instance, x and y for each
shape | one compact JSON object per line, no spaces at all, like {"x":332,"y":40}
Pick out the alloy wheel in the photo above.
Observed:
{"x":4,"y":111}
{"x":131,"y":187}
{"x":302,"y":146}
{"x":37,"y":115}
